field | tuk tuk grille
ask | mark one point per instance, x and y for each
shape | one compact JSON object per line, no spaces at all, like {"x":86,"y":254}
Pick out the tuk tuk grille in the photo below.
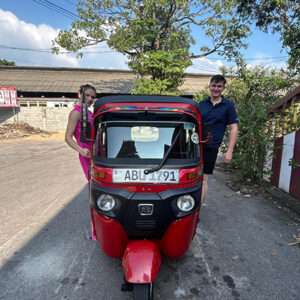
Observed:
{"x":145,"y":224}
{"x":141,"y":226}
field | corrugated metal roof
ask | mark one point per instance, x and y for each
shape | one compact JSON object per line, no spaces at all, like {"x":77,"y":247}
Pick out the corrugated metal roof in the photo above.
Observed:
{"x":68,"y":80}
{"x":284,"y":102}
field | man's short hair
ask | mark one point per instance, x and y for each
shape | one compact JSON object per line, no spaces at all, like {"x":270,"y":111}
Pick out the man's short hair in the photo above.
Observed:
{"x":218,"y":78}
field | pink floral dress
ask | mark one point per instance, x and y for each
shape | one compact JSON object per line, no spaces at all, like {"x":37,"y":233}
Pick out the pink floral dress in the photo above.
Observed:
{"x":84,"y":161}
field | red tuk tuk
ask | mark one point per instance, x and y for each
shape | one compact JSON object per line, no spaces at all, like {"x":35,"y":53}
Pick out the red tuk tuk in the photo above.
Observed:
{"x":146,"y":180}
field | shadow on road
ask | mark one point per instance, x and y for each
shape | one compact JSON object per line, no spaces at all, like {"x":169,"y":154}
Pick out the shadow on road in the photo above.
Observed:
{"x":61,"y":262}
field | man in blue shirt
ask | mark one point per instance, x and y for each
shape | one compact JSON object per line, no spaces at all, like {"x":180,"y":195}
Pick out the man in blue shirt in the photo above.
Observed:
{"x":217,"y":113}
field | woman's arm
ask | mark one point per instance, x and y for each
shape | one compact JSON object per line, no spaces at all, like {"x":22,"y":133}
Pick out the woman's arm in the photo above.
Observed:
{"x":74,"y":117}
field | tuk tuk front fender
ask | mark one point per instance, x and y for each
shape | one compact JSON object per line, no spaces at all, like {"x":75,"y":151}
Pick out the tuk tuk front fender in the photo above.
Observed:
{"x":179,"y":235}
{"x":141,"y":261}
{"x":110,"y":234}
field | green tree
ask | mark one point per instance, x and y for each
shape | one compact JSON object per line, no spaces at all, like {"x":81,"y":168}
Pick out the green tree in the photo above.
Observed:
{"x":254,"y":91}
{"x":166,"y":69}
{"x":282,"y":16}
{"x":156,"y":36}
{"x":4,"y":62}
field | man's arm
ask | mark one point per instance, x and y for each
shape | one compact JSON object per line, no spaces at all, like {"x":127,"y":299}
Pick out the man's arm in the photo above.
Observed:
{"x":232,"y":141}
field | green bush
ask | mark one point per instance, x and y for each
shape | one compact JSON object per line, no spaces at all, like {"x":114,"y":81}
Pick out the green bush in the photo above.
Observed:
{"x":254,"y":91}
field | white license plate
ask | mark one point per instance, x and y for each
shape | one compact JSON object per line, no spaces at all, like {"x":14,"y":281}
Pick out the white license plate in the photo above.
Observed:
{"x":137,"y":175}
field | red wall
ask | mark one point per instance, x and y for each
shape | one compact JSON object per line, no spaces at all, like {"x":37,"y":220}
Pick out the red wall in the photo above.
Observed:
{"x":295,"y":176}
{"x":277,"y":153}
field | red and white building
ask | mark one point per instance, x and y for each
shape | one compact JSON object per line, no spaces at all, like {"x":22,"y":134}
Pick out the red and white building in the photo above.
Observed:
{"x":286,"y":154}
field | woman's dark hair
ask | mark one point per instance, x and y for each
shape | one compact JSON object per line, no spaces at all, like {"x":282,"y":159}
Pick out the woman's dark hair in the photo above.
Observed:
{"x":218,"y":78}
{"x":85,"y":87}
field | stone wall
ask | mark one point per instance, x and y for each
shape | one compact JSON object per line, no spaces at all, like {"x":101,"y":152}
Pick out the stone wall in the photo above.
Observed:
{"x":45,"y":118}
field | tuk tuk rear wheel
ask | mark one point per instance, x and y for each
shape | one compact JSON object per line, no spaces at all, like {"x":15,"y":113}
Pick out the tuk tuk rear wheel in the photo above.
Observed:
{"x":143,"y":291}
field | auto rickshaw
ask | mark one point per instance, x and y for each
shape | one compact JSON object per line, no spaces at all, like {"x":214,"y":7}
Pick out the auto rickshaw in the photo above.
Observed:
{"x":146,"y":180}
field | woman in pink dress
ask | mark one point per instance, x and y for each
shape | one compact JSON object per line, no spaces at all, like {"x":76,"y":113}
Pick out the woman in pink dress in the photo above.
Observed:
{"x":72,"y":136}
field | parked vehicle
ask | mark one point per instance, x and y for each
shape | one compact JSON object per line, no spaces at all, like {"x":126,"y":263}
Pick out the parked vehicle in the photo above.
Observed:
{"x":146,"y":180}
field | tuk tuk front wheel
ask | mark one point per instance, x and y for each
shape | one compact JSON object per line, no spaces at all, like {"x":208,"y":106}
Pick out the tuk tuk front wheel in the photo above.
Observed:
{"x":143,"y":291}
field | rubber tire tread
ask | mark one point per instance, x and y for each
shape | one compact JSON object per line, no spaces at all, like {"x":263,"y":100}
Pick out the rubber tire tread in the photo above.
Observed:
{"x":143,"y":292}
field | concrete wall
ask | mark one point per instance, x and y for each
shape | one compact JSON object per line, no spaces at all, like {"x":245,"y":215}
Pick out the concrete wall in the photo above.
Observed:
{"x":45,"y":118}
{"x":7,"y":114}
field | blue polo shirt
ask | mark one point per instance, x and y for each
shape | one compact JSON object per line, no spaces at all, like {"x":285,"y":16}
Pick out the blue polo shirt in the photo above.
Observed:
{"x":216,"y":118}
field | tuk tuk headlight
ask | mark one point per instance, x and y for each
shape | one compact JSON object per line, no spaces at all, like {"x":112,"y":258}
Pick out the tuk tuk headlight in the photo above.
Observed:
{"x":106,"y":202}
{"x":185,"y":203}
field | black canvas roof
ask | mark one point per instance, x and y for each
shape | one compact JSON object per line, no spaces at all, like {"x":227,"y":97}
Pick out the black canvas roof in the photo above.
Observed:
{"x":143,"y":98}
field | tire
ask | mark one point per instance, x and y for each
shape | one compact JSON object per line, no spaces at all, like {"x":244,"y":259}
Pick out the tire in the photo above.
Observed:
{"x":143,"y":291}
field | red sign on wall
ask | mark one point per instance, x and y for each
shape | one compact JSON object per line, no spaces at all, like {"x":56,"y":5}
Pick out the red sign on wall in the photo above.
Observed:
{"x":8,"y":96}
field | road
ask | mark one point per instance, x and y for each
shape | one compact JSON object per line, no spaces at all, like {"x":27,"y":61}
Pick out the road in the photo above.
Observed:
{"x":240,"y":250}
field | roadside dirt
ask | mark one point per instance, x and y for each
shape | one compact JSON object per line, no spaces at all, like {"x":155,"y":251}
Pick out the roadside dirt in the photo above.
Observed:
{"x":23,"y":131}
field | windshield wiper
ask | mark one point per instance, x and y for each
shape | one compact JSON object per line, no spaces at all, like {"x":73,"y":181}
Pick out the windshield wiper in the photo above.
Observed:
{"x":154,"y":169}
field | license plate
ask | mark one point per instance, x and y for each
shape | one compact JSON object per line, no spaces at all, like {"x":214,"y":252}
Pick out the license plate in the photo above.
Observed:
{"x":137,"y":175}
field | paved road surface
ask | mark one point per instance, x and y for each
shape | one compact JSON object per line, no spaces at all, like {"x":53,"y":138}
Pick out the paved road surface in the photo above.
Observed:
{"x":240,"y":250}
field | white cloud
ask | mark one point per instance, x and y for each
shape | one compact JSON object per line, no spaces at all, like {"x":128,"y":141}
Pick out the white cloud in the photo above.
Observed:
{"x":263,"y":60}
{"x":205,"y":65}
{"x":17,"y":33}
{"x":102,"y":57}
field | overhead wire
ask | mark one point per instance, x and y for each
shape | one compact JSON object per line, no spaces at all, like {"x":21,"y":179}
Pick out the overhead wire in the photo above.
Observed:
{"x":252,"y":58}
{"x":74,"y":3}
{"x":49,"y":50}
{"x":57,"y":8}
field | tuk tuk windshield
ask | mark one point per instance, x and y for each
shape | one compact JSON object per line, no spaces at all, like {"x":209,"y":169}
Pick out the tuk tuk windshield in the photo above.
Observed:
{"x":142,"y":140}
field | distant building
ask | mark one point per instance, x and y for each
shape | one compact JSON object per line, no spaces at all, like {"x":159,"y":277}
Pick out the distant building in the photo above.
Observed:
{"x":60,"y":85}
{"x":53,"y":88}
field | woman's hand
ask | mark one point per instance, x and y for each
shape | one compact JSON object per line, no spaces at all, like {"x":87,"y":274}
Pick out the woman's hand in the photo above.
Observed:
{"x":85,"y":152}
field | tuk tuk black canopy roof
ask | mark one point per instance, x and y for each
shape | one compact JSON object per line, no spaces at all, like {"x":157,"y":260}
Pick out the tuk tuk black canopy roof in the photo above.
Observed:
{"x":143,"y":98}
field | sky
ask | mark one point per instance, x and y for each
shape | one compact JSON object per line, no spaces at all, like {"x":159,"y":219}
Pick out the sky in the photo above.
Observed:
{"x":29,"y":24}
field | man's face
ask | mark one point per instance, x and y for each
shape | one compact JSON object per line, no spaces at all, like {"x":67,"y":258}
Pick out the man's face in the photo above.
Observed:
{"x":216,"y":88}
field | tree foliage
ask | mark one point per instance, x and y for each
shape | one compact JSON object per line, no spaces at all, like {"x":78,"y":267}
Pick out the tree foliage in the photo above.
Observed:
{"x":165,"y":68}
{"x":151,"y":33}
{"x":135,"y":27}
{"x":254,"y":91}
{"x":5,"y":62}
{"x":282,"y":16}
